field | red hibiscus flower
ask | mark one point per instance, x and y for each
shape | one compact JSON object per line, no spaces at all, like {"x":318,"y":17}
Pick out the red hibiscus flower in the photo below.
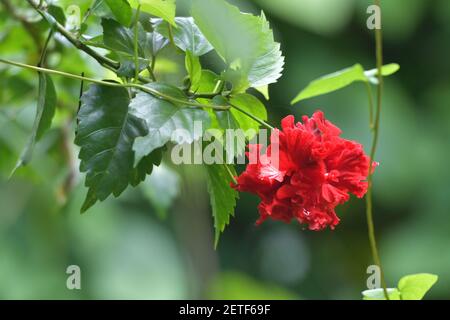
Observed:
{"x":306,"y":171}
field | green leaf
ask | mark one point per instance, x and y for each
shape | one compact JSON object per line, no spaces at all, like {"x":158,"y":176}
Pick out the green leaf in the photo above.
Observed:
{"x":187,"y":36}
{"x":164,"y":9}
{"x":378,"y":294}
{"x":245,"y":42}
{"x":264,"y":90}
{"x":386,"y":70}
{"x":252,"y":105}
{"x":342,"y":79}
{"x":222,"y":196}
{"x":156,"y":42}
{"x":332,"y":82}
{"x":120,"y":40}
{"x":45,"y":110}
{"x":164,"y":117}
{"x":194,"y":70}
{"x":415,"y":286}
{"x":57,"y":13}
{"x":208,"y":83}
{"x":106,"y":131}
{"x":121,"y":10}
{"x":161,"y":188}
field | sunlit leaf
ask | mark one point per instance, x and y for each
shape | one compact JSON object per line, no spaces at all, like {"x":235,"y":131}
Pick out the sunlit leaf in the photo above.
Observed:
{"x":164,"y":9}
{"x":342,"y":79}
{"x":415,"y":286}
{"x":252,"y":105}
{"x":244,"y":41}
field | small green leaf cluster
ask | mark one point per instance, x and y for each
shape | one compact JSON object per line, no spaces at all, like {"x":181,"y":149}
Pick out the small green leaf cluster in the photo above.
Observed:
{"x":410,"y":287}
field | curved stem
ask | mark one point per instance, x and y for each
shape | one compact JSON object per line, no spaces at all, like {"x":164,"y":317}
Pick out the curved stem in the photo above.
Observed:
{"x":376,"y":126}
{"x":149,"y":90}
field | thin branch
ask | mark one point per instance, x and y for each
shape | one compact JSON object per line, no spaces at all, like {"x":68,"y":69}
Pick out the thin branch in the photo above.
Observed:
{"x":149,"y":90}
{"x":376,"y":126}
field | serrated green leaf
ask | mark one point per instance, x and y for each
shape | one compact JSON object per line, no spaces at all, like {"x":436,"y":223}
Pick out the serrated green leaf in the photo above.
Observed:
{"x":162,"y":188}
{"x":245,"y":42}
{"x":45,"y":110}
{"x":415,"y":286}
{"x":187,"y":36}
{"x":378,"y":294}
{"x":106,"y":132}
{"x":341,"y":79}
{"x":194,"y":69}
{"x":222,"y":196}
{"x":252,"y":105}
{"x":164,"y":117}
{"x":121,"y":10}
{"x":164,"y":9}
{"x":145,"y":167}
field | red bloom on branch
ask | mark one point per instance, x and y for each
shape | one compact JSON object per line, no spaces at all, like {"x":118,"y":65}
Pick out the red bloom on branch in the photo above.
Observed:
{"x":306,"y":171}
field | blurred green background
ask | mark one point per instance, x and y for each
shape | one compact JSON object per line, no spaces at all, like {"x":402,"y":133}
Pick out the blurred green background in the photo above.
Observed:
{"x":126,"y":250}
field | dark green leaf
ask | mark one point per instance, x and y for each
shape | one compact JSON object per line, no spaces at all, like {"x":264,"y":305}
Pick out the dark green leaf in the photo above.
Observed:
{"x":57,"y":13}
{"x":45,"y":111}
{"x":222,"y":196}
{"x":121,"y":10}
{"x":145,"y":167}
{"x":164,"y":117}
{"x":186,"y":35}
{"x":106,"y":132}
{"x":120,"y":40}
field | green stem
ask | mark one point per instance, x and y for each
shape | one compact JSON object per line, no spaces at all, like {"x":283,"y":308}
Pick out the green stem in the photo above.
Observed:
{"x":260,"y":121}
{"x":376,"y":126}
{"x":371,"y":107}
{"x":149,"y":90}
{"x":44,"y":50}
{"x":136,"y":48}
{"x":102,"y":60}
